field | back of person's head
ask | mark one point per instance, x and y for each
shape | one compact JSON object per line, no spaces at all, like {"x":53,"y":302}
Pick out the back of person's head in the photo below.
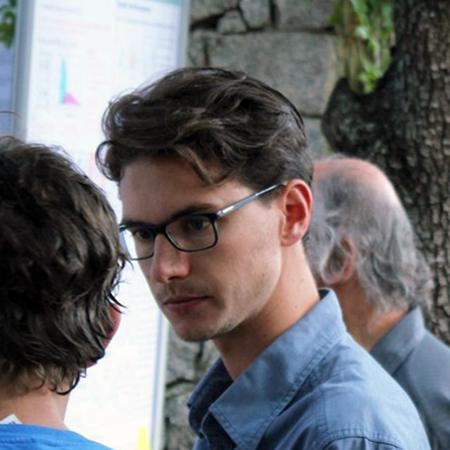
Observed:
{"x":224,"y":123}
{"x":361,"y":221}
{"x":60,"y":265}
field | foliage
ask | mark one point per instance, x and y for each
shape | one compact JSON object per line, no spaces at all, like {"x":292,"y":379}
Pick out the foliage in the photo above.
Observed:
{"x":367,"y":29}
{"x":8,"y":22}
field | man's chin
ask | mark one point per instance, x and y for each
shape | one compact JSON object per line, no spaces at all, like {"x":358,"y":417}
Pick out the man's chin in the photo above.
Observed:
{"x":197,"y":335}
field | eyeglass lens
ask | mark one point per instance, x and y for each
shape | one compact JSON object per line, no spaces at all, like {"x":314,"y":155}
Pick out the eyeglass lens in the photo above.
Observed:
{"x":188,"y":233}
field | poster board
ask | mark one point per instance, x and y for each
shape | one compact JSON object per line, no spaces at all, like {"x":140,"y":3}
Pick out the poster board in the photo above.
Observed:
{"x":72,"y":57}
{"x":6,"y":82}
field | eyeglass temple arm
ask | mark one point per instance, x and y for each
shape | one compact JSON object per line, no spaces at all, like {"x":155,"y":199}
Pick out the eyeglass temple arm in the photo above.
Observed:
{"x":246,"y":200}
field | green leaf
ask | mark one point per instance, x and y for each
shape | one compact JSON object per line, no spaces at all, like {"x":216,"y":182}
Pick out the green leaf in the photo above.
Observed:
{"x":360,"y":8}
{"x":374,"y":46}
{"x":8,"y":22}
{"x":361,"y":32}
{"x":367,"y":27}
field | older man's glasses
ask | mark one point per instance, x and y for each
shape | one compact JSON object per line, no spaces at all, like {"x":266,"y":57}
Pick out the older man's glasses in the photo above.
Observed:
{"x":187,"y":233}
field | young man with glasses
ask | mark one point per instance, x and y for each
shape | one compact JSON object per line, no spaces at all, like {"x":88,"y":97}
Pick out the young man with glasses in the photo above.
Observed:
{"x":214,"y":177}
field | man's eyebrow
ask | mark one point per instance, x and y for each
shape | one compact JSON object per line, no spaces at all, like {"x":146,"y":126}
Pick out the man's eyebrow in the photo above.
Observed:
{"x":197,"y":208}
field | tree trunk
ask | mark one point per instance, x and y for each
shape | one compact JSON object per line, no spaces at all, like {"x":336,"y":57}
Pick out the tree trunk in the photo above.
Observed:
{"x":404,"y":127}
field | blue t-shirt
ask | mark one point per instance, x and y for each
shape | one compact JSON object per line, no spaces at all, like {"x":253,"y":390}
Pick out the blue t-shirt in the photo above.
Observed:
{"x":33,"y":437}
{"x":313,"y":388}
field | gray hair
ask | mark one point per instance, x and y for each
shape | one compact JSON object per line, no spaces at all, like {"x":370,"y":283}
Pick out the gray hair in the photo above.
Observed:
{"x":388,"y":264}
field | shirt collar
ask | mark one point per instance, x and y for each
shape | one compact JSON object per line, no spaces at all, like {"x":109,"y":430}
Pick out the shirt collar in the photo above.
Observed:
{"x":246,"y":407}
{"x":395,"y":346}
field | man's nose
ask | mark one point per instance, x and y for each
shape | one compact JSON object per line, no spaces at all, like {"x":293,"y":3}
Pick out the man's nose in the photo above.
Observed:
{"x":167,"y":263}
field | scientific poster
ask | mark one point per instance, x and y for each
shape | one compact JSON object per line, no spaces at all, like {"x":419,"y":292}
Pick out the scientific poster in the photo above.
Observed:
{"x":73,"y":57}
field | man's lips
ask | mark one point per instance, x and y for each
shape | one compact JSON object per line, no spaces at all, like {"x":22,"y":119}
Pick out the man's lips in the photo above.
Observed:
{"x":183,"y":302}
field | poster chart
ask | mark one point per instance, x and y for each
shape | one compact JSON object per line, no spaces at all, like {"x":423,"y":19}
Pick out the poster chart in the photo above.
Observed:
{"x":73,"y":57}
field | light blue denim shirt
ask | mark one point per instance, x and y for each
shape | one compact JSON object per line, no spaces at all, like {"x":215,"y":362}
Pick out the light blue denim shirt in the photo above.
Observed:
{"x":313,"y":388}
{"x":420,"y":363}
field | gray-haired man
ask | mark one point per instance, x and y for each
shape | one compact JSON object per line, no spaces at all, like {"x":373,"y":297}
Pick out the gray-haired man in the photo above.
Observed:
{"x":364,"y":248}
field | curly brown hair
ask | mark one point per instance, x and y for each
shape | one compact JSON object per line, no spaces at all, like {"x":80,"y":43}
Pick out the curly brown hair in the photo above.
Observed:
{"x":61,"y":262}
{"x":224,"y":123}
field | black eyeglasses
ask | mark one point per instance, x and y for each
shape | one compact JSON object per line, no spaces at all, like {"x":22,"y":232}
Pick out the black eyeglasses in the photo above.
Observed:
{"x":188,"y":232}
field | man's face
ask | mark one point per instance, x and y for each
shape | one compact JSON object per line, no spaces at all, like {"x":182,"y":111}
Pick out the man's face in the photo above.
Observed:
{"x":213,"y":292}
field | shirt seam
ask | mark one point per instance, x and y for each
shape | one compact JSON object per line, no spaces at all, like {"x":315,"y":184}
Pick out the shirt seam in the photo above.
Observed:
{"x":376,"y":440}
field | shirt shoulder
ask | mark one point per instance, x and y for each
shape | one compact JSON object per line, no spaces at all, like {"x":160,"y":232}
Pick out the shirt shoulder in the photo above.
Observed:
{"x":349,"y":402}
{"x":33,"y":437}
{"x":425,"y":376}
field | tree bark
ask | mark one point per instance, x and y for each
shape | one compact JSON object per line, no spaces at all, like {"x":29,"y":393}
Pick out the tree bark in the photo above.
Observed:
{"x":404,"y":127}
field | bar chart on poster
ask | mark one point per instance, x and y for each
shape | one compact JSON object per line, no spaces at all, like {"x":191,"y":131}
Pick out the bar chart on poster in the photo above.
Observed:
{"x":72,"y":58}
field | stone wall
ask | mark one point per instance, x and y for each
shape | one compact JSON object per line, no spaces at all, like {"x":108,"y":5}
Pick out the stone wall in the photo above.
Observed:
{"x":290,"y":45}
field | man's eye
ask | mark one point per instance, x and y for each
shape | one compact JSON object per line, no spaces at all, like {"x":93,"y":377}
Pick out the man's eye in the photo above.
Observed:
{"x":195,"y":224}
{"x":141,"y":234}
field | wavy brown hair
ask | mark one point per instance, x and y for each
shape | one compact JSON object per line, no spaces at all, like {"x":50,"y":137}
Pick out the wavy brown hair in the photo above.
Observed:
{"x":60,"y":264}
{"x":224,"y":123}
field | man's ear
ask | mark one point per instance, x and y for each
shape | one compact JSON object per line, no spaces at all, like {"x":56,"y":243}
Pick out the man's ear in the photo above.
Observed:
{"x":296,"y":206}
{"x":347,"y":264}
{"x":116,"y":316}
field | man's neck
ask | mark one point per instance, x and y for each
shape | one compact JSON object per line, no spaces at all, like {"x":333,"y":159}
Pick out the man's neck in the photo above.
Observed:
{"x":378,"y":324}
{"x":365,"y":322}
{"x":37,"y":407}
{"x":295,"y":295}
